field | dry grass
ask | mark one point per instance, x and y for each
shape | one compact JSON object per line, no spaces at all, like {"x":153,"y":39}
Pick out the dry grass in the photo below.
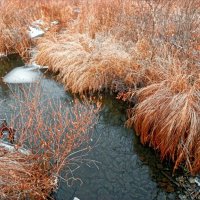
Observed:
{"x":85,"y":64}
{"x":17,"y":15}
{"x":167,"y":118}
{"x":22,"y":178}
{"x":57,"y":136}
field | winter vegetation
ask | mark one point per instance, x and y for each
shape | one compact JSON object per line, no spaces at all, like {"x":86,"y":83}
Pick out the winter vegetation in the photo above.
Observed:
{"x":145,"y":51}
{"x":52,"y":139}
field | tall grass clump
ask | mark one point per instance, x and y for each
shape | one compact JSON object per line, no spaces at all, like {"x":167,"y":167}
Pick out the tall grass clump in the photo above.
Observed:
{"x":56,"y":140}
{"x":167,"y":118}
{"x":86,"y":64}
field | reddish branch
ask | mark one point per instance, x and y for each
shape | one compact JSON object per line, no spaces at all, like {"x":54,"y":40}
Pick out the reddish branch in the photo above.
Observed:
{"x":11,"y":131}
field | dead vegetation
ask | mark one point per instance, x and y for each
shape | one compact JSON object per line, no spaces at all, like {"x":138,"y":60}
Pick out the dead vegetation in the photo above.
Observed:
{"x":88,"y":65}
{"x":167,"y":118}
{"x":56,"y":140}
{"x":22,"y":178}
{"x":16,"y":17}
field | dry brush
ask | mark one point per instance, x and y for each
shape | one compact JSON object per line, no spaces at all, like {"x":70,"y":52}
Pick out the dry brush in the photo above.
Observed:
{"x":56,"y":141}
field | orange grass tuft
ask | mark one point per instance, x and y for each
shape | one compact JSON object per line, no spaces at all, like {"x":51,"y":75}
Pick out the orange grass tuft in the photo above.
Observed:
{"x":167,"y":118}
{"x":85,"y":64}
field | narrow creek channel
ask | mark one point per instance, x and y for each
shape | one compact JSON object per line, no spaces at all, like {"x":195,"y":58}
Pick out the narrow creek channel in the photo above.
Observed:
{"x":126,"y":170}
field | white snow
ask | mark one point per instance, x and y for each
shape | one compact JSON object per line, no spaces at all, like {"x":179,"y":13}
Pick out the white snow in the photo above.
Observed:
{"x":35,"y":29}
{"x":36,"y":66}
{"x":2,"y":55}
{"x":35,"y":32}
{"x":77,"y":10}
{"x":23,"y":75}
{"x":197,"y":181}
{"x":56,"y":22}
{"x":76,"y":198}
{"x":11,"y":148}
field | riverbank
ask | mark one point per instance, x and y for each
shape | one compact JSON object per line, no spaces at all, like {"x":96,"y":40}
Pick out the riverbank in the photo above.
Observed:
{"x":50,"y":139}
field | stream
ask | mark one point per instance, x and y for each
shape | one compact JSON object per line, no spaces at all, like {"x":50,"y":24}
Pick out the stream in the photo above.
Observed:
{"x":126,"y":170}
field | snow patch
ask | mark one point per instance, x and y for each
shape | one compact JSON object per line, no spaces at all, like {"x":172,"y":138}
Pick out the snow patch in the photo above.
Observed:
{"x":77,"y":10}
{"x":35,"y":29}
{"x":11,"y":148}
{"x":56,"y":22}
{"x":76,"y":198}
{"x":35,"y":32}
{"x":36,"y":66}
{"x":197,"y":181}
{"x":2,"y":55}
{"x":23,"y":75}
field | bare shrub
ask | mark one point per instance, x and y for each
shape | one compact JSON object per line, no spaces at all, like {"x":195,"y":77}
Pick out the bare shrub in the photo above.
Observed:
{"x":57,"y":139}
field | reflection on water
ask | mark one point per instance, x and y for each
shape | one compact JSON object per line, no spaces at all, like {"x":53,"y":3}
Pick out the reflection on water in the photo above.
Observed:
{"x":127,"y":170}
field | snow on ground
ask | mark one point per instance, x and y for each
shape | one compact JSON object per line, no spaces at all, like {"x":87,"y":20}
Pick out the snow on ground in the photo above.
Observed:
{"x":23,"y":74}
{"x":35,"y":29}
{"x":35,"y":32}
{"x":2,"y":55}
{"x":11,"y":148}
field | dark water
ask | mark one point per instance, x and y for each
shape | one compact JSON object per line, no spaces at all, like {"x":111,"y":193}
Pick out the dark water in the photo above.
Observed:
{"x":126,"y":169}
